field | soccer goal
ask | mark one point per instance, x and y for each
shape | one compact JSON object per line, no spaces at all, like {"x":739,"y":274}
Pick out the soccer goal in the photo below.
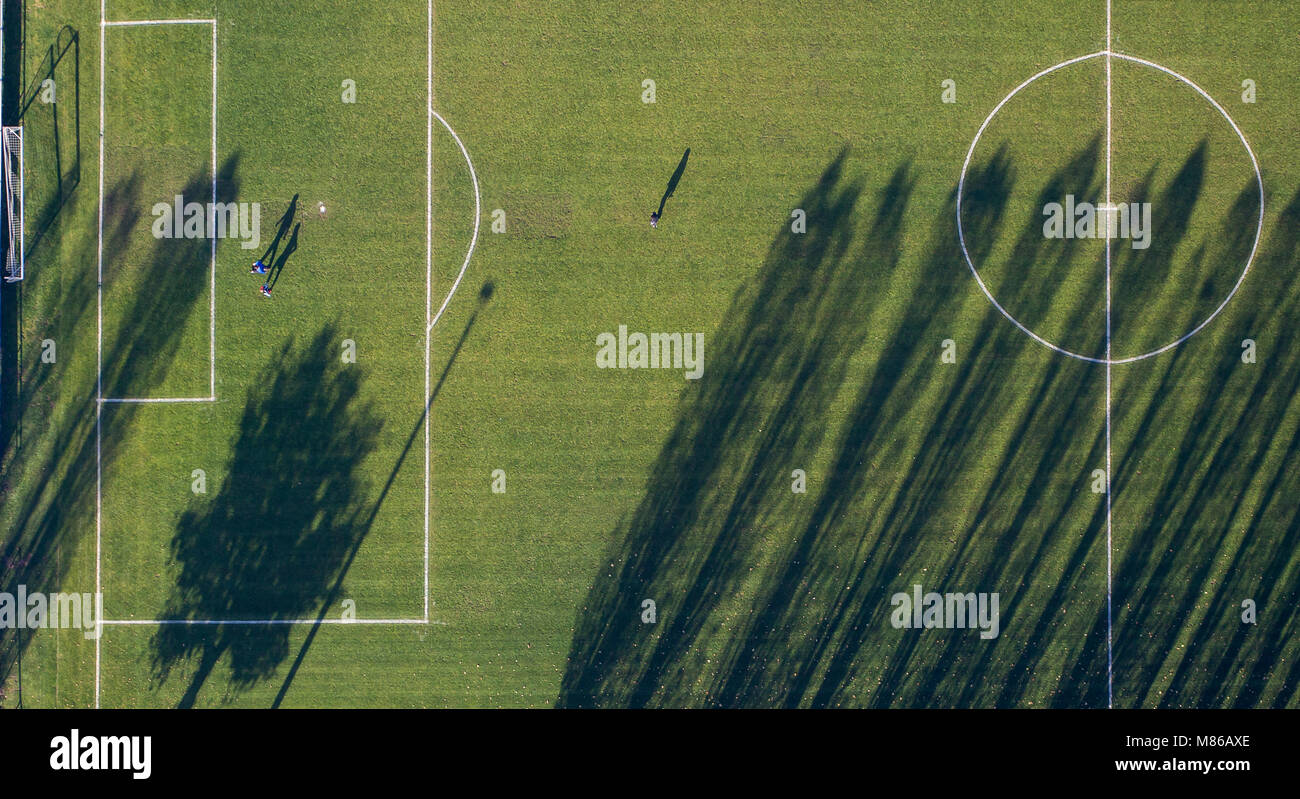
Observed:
{"x":15,"y":223}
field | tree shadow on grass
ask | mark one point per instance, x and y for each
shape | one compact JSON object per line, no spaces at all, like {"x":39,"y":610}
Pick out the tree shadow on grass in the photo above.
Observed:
{"x":721,"y":485}
{"x":52,"y":135}
{"x":965,"y":479}
{"x":484,"y":297}
{"x":719,"y":431}
{"x":144,"y":347}
{"x":1221,"y":525}
{"x":273,"y":541}
{"x":58,"y":479}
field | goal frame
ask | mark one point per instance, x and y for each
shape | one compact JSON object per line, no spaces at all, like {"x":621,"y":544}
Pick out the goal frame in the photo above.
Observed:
{"x":15,"y":213}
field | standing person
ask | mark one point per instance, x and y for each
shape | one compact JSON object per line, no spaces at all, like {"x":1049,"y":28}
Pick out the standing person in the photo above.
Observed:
{"x":654,"y":219}
{"x":266,"y":290}
{"x":259,"y":268}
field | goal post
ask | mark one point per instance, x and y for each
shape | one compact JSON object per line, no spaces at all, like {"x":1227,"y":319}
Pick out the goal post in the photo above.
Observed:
{"x":14,"y":212}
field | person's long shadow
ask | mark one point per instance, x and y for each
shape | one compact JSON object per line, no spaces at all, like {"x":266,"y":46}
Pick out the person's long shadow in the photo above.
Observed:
{"x":282,"y":228}
{"x":289,"y":249}
{"x":673,"y":181}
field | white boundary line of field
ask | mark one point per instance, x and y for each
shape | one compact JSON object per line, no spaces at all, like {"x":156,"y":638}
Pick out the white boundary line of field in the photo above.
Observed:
{"x":212,"y":275}
{"x":429,"y":324}
{"x":469,"y":254}
{"x":99,"y":333}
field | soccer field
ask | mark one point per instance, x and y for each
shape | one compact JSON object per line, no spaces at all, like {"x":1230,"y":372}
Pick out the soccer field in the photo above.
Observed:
{"x":957,"y":369}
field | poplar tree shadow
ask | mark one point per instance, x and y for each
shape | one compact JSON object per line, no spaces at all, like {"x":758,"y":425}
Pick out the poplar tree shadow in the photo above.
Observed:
{"x":273,"y":544}
{"x":1142,"y":276}
{"x":141,"y":342}
{"x":163,"y":296}
{"x":673,"y":181}
{"x":1223,"y":525}
{"x":766,"y":599}
{"x":782,"y":353}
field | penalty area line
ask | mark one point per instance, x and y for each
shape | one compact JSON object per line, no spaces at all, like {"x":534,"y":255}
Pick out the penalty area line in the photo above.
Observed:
{"x":132,"y":23}
{"x":99,"y":339}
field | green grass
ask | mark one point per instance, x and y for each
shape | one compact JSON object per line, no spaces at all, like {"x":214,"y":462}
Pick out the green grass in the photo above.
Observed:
{"x":822,"y":354}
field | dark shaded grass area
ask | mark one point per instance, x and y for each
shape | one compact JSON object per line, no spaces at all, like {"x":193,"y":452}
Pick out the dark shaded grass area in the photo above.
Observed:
{"x":331,"y":594}
{"x":1223,"y":525}
{"x":972,"y":479}
{"x":275,"y":538}
{"x":140,"y":347}
{"x":52,"y":155}
{"x":277,"y":541}
{"x":52,"y":135}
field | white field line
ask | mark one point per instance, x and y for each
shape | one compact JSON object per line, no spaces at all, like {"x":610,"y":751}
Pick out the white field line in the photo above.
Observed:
{"x":1110,"y":654}
{"x":473,"y":242}
{"x":428,"y":295}
{"x":211,"y":622}
{"x":99,"y":337}
{"x":212,"y":291}
{"x":141,"y":400}
{"x":212,"y":264}
{"x":135,"y":23}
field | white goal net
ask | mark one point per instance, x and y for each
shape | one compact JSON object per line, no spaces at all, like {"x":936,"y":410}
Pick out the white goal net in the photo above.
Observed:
{"x":15,"y":256}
